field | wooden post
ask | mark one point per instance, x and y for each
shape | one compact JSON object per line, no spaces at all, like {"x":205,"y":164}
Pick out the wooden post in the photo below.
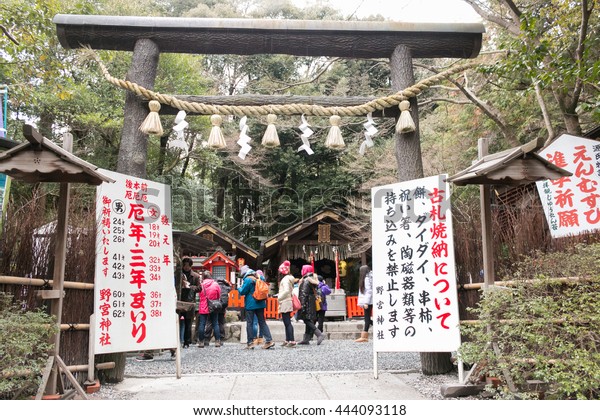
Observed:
{"x":60,"y":251}
{"x":486,"y":223}
{"x":91,"y":345}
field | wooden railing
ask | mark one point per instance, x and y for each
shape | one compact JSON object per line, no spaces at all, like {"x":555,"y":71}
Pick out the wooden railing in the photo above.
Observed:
{"x":352,"y":308}
{"x":271,"y":311}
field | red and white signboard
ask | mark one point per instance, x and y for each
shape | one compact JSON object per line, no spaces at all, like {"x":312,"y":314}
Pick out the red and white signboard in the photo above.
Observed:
{"x":415,"y":305}
{"x":572,"y":204}
{"x":135,"y":298}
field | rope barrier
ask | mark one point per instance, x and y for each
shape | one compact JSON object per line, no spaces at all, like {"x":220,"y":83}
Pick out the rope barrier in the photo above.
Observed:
{"x":288,"y":109}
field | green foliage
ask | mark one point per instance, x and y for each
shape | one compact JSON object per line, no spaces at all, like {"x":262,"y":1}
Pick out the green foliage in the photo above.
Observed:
{"x":545,"y":330}
{"x":582,"y":261}
{"x":24,"y":347}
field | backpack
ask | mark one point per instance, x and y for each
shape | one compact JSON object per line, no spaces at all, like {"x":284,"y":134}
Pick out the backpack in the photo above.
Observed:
{"x":261,"y":290}
{"x":224,"y":294}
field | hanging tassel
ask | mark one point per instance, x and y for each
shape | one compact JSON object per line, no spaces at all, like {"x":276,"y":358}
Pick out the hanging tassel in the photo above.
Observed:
{"x":216,"y":139}
{"x":271,"y":139}
{"x":405,"y":122}
{"x":151,"y":124}
{"x":334,"y":138}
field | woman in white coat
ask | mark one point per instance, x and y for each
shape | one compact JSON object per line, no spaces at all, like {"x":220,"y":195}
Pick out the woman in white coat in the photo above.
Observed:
{"x":284,"y":298}
{"x":365,"y":300}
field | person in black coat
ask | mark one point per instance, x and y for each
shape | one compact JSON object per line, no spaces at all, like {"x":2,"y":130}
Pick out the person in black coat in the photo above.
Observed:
{"x":307,"y":294}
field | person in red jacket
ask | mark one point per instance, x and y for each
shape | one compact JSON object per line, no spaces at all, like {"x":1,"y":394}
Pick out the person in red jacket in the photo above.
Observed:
{"x":209,"y":289}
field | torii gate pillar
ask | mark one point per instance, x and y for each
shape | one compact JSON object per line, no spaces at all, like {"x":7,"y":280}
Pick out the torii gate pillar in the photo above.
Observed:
{"x":408,"y":145}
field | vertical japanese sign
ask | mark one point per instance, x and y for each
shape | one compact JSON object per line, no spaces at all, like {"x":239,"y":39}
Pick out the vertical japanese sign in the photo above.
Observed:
{"x":415,"y":305}
{"x":572,"y":203}
{"x":134,"y":285}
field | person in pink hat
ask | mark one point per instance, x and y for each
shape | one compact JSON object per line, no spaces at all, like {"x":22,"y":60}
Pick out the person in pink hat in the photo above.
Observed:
{"x":284,"y":298}
{"x":308,"y":297}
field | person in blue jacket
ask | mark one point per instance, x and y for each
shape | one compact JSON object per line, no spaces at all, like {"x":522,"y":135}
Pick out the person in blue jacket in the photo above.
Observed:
{"x":254,"y":308}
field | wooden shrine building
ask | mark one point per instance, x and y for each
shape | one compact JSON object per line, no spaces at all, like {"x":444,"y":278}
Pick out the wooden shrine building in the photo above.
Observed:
{"x":230,"y":246}
{"x":323,"y":238}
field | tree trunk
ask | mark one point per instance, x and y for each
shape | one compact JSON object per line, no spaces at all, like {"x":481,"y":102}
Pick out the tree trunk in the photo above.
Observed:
{"x":410,"y":166}
{"x":436,"y":363}
{"x":408,"y":145}
{"x":133,"y":151}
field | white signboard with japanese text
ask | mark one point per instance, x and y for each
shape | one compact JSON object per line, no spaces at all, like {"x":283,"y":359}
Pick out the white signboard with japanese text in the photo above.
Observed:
{"x":134,"y":293}
{"x":572,"y":204}
{"x":415,"y":305}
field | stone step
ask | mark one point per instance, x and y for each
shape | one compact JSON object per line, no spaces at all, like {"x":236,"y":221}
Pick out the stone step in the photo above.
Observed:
{"x":338,"y":330}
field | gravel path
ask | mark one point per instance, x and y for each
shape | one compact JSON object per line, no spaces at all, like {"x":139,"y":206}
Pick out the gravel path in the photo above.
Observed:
{"x":331,"y":356}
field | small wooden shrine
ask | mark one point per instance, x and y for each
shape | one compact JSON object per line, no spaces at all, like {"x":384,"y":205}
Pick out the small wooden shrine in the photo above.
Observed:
{"x":230,"y":246}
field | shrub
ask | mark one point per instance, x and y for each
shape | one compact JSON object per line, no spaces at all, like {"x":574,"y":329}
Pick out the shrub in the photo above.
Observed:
{"x":545,"y":330}
{"x":24,"y":347}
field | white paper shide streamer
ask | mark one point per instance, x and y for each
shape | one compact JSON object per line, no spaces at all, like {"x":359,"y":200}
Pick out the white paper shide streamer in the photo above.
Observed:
{"x":179,"y":141}
{"x":244,"y":139}
{"x":306,"y":133}
{"x":370,"y":131}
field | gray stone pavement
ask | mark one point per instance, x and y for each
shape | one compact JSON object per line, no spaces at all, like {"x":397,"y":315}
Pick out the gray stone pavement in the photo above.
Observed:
{"x":263,"y":386}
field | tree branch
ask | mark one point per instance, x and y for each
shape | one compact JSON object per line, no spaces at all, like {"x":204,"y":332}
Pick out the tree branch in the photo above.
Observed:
{"x":583,"y":32}
{"x":487,"y":109}
{"x":9,"y":35}
{"x":512,"y":27}
{"x":440,"y":99}
{"x":306,"y":82}
{"x":547,"y":121}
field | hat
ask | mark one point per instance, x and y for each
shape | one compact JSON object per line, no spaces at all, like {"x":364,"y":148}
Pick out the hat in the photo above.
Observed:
{"x":307,"y":269}
{"x":284,"y":268}
{"x":244,"y":270}
{"x":260,"y":274}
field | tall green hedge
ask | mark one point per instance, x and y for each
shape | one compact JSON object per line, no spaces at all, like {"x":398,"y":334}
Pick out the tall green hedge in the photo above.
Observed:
{"x":24,"y":346}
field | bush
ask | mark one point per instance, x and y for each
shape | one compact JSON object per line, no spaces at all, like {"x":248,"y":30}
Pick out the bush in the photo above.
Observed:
{"x":24,"y":347}
{"x":545,"y":330}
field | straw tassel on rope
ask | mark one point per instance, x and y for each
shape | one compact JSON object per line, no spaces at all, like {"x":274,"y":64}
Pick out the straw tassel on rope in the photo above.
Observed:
{"x":270,"y":138}
{"x":334,"y":137}
{"x":216,"y":139}
{"x":151,"y":124}
{"x":405,"y":123}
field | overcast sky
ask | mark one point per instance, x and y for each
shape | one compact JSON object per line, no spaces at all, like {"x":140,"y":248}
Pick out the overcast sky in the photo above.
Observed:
{"x":405,"y":10}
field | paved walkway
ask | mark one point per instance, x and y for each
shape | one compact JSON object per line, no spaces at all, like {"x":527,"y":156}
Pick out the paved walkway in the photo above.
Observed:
{"x":263,"y":386}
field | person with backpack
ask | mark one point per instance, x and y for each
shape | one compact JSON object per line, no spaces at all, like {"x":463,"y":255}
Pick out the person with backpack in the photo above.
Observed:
{"x":322,"y":291}
{"x":208,"y":332}
{"x":308,"y":299}
{"x":255,"y":302}
{"x":258,"y":335}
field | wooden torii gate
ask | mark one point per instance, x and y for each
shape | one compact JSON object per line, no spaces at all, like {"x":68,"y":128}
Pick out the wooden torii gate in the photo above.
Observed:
{"x":147,"y":37}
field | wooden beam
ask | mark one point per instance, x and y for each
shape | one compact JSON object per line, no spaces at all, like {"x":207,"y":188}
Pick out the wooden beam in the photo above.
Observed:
{"x":316,"y":38}
{"x":33,"y":136}
{"x":26,"y":281}
{"x":70,"y":377}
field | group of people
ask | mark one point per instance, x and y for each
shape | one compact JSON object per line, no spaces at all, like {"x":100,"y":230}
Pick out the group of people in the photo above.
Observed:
{"x":310,"y":291}
{"x":306,"y":296}
{"x":209,"y":323}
